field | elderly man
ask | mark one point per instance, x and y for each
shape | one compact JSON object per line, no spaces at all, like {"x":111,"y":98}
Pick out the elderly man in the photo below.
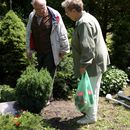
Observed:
{"x":46,"y":35}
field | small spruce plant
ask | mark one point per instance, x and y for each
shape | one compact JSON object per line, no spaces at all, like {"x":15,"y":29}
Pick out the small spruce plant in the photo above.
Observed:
{"x":33,"y":89}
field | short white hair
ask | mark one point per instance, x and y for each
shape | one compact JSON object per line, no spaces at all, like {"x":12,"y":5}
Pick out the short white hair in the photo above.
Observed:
{"x":42,"y":1}
{"x":73,"y":4}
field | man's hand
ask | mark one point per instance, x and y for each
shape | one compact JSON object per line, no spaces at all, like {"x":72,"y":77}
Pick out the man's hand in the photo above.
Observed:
{"x":29,"y":54}
{"x":61,"y":55}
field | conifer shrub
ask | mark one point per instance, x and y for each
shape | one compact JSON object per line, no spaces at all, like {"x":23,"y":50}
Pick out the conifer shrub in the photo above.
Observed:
{"x":12,"y":48}
{"x":113,"y":80}
{"x":33,"y":89}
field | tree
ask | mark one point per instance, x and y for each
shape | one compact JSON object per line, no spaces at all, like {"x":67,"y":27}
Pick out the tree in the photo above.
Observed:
{"x":121,"y":45}
{"x":12,"y":48}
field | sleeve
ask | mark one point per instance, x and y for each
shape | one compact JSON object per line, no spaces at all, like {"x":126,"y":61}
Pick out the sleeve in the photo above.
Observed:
{"x":32,"y":45}
{"x":63,"y":37}
{"x":29,"y":40}
{"x":87,"y":44}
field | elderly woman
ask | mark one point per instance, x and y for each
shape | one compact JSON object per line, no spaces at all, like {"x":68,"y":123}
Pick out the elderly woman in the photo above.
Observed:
{"x":89,"y":51}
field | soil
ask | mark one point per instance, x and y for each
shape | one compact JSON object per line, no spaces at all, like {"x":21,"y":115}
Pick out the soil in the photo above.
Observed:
{"x":62,"y":115}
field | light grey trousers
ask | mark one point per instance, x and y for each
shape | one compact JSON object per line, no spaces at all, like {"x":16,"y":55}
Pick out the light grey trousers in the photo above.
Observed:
{"x":95,"y":82}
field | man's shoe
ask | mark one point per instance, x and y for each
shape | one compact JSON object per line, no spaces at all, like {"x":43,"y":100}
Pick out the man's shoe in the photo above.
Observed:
{"x":48,"y":103}
{"x":86,"y":120}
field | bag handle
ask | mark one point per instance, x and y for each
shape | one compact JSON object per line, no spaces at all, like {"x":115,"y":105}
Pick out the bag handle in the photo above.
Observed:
{"x":83,"y":75}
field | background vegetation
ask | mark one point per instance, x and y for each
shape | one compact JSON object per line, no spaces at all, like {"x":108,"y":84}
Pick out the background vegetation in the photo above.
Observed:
{"x":113,"y":16}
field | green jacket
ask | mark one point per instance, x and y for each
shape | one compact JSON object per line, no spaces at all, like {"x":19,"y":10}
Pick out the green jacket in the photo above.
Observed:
{"x":88,"y":46}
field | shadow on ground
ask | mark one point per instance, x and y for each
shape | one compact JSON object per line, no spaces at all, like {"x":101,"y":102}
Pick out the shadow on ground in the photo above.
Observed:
{"x":60,"y":124}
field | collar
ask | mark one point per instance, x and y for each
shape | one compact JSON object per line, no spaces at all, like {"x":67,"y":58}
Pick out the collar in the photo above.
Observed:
{"x":77,"y":22}
{"x":55,"y":15}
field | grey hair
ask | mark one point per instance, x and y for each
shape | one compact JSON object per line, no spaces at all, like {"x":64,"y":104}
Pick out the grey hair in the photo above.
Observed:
{"x":73,"y":4}
{"x":34,"y":1}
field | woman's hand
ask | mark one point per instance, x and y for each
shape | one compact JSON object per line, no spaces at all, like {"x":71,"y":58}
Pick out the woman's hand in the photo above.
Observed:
{"x":82,"y":70}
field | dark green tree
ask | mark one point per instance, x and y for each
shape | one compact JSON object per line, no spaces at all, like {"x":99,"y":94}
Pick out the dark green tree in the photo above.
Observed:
{"x":108,"y":12}
{"x":121,"y":45}
{"x":12,"y":48}
{"x":3,"y":7}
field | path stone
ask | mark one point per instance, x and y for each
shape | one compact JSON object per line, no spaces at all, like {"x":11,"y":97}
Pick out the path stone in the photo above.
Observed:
{"x":7,"y":107}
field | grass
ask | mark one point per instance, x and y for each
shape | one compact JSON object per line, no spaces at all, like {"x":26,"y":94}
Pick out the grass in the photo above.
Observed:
{"x":111,"y":116}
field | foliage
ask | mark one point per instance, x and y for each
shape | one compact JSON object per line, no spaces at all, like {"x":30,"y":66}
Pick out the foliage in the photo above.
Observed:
{"x":61,"y":89}
{"x":33,"y":89}
{"x":23,"y":9}
{"x":113,"y":80}
{"x":121,"y":45}
{"x":109,"y":42}
{"x":64,"y":80}
{"x":3,"y":7}
{"x":70,"y":31}
{"x":23,"y":121}
{"x":65,"y":69}
{"x":106,"y":12}
{"x":12,"y":48}
{"x":7,"y":93}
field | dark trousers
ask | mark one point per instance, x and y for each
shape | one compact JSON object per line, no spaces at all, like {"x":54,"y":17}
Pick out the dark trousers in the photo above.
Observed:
{"x":46,"y":61}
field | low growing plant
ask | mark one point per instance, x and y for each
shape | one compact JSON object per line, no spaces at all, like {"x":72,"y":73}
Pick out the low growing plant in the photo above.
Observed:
{"x":23,"y":120}
{"x":113,"y":80}
{"x":33,"y":89}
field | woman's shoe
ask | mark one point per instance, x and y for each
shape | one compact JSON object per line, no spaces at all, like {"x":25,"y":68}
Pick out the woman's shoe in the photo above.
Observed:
{"x":86,"y":120}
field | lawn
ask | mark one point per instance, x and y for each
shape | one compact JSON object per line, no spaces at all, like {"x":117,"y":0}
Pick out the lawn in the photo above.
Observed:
{"x":111,"y":116}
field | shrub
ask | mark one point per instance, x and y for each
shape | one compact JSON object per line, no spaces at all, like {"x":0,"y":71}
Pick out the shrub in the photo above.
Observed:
{"x":7,"y":93}
{"x":23,"y":121}
{"x":33,"y":89}
{"x":64,"y":80}
{"x":113,"y":80}
{"x":12,"y":48}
